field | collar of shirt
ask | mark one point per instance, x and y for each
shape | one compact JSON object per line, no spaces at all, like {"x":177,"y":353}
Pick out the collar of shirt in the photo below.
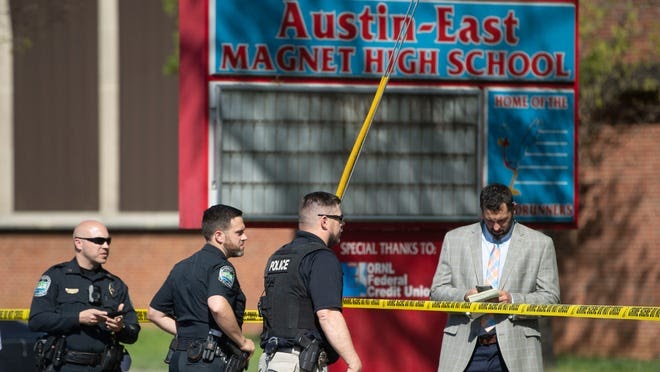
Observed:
{"x":72,"y":267}
{"x":305,"y":236}
{"x":488,"y":237}
{"x":213,"y":250}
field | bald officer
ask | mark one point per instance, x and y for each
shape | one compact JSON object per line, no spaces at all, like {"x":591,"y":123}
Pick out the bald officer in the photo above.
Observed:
{"x":84,"y":309}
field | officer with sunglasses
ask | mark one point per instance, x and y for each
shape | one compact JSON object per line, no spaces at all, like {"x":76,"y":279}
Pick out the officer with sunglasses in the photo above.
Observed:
{"x":85,"y":310}
{"x":304,"y":329}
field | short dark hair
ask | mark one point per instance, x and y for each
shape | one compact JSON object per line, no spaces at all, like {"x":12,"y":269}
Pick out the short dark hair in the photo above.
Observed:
{"x":320,"y":198}
{"x":218,"y":217}
{"x":493,"y":195}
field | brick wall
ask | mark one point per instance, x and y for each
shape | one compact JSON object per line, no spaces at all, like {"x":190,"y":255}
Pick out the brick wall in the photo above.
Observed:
{"x":613,"y":257}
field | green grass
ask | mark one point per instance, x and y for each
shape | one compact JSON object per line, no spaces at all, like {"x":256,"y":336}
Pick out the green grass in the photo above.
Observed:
{"x":567,"y":363}
{"x":150,"y":350}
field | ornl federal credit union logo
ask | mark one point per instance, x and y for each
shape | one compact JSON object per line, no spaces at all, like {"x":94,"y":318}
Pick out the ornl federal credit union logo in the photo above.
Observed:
{"x":379,"y":280}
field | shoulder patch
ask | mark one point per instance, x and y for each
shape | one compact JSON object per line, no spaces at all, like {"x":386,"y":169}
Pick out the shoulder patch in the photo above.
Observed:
{"x":42,"y":286}
{"x":226,"y":276}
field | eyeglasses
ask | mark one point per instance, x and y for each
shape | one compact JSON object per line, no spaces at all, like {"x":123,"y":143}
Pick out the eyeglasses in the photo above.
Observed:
{"x":336,"y":217}
{"x":97,"y":240}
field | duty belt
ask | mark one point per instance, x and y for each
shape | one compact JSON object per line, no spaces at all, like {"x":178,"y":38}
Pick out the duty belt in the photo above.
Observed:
{"x":181,"y":344}
{"x":79,"y":357}
{"x":288,"y":350}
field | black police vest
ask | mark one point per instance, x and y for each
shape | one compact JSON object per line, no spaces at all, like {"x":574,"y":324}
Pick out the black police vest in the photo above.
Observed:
{"x":286,"y":306}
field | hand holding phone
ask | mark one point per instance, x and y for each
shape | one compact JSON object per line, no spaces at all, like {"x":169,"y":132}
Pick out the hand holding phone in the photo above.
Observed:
{"x":116,"y":313}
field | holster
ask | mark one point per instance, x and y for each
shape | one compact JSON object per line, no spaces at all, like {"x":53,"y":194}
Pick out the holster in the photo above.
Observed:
{"x":237,"y":363}
{"x":49,"y":351}
{"x":210,"y":348}
{"x":238,"y":359}
{"x":309,"y":355}
{"x":170,"y":351}
{"x":111,"y":359}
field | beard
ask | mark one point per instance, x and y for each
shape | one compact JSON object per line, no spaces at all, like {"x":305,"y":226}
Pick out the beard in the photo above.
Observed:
{"x":333,"y":240}
{"x":233,"y":250}
{"x":500,"y":234}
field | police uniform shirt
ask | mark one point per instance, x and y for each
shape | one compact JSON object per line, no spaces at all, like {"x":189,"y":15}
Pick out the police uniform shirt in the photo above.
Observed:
{"x":65,"y":290}
{"x":321,"y":272}
{"x":185,"y":293}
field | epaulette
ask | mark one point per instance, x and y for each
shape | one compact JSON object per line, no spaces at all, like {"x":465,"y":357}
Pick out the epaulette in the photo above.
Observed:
{"x":58,"y":266}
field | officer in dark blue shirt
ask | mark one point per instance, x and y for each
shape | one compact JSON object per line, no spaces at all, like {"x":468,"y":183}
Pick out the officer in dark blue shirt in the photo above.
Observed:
{"x":85,"y":310}
{"x":201,"y":301}
{"x":304,"y":328}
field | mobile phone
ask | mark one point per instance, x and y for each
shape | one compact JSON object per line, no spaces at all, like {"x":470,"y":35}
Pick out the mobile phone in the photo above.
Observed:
{"x":481,"y":288}
{"x":116,"y":313}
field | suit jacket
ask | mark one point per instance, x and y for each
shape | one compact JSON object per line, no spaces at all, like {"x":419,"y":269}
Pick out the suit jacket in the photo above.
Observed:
{"x":529,"y":274}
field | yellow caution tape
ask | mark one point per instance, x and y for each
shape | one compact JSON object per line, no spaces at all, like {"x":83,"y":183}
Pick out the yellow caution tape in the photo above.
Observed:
{"x":14,"y":314}
{"x":252,"y":316}
{"x":651,"y":313}
{"x":573,"y":311}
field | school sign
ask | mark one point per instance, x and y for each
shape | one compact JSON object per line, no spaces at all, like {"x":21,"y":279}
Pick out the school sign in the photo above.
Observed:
{"x":463,"y":41}
{"x":506,"y":70}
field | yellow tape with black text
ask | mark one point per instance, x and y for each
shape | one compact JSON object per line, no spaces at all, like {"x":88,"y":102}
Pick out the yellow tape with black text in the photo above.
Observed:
{"x":651,"y":313}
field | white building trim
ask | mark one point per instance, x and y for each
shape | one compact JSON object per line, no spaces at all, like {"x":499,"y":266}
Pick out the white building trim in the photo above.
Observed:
{"x":6,"y":112}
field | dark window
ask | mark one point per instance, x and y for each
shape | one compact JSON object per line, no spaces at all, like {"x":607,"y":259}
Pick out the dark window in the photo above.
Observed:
{"x":148,"y":109}
{"x":55,"y":105}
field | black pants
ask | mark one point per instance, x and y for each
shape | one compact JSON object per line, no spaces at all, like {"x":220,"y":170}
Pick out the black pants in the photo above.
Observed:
{"x":71,"y":367}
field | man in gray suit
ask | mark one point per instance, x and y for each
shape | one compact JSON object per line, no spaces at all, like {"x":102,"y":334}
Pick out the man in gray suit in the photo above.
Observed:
{"x":520,"y":263}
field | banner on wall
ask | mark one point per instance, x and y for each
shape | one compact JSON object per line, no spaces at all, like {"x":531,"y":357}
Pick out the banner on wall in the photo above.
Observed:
{"x":381,"y":269}
{"x":346,"y":39}
{"x":392,"y":265}
{"x":531,"y":148}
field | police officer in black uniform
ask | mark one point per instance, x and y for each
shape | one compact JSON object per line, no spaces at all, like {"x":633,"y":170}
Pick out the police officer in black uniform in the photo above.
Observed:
{"x":304,"y":329}
{"x":85,"y":310}
{"x":201,"y":301}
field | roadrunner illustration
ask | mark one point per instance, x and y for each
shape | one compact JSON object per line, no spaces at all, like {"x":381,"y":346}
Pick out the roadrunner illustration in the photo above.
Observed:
{"x":514,"y":151}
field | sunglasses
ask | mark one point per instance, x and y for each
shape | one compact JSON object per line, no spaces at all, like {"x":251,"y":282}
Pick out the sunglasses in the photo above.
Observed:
{"x":97,"y":240}
{"x":335,"y":217}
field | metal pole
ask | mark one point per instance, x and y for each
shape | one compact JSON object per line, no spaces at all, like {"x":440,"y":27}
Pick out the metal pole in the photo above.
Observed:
{"x":362,"y":135}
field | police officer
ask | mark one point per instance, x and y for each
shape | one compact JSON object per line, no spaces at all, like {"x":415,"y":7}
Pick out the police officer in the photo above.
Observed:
{"x":85,"y":310}
{"x":304,"y":328}
{"x":201,"y":301}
